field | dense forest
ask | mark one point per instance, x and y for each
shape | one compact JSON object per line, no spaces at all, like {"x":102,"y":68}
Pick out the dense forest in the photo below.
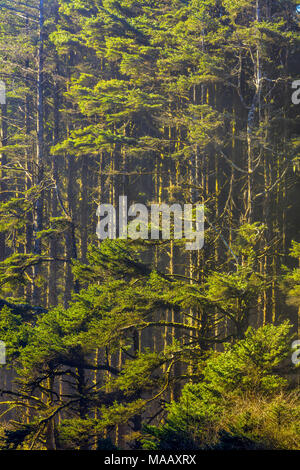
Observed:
{"x":131,"y":343}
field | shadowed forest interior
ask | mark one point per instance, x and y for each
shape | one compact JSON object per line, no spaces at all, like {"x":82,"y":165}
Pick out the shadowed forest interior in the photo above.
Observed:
{"x":143,"y":344}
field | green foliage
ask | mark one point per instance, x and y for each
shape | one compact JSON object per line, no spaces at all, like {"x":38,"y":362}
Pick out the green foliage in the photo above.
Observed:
{"x":237,"y":402}
{"x":247,"y":366}
{"x":291,"y":280}
{"x":182,"y":101}
{"x":80,"y":433}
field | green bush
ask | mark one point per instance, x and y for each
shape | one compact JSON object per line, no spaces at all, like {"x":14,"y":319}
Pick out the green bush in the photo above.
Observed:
{"x":240,"y":402}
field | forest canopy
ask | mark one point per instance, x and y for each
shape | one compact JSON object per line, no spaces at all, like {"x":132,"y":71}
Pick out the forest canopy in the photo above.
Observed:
{"x":141,"y":343}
